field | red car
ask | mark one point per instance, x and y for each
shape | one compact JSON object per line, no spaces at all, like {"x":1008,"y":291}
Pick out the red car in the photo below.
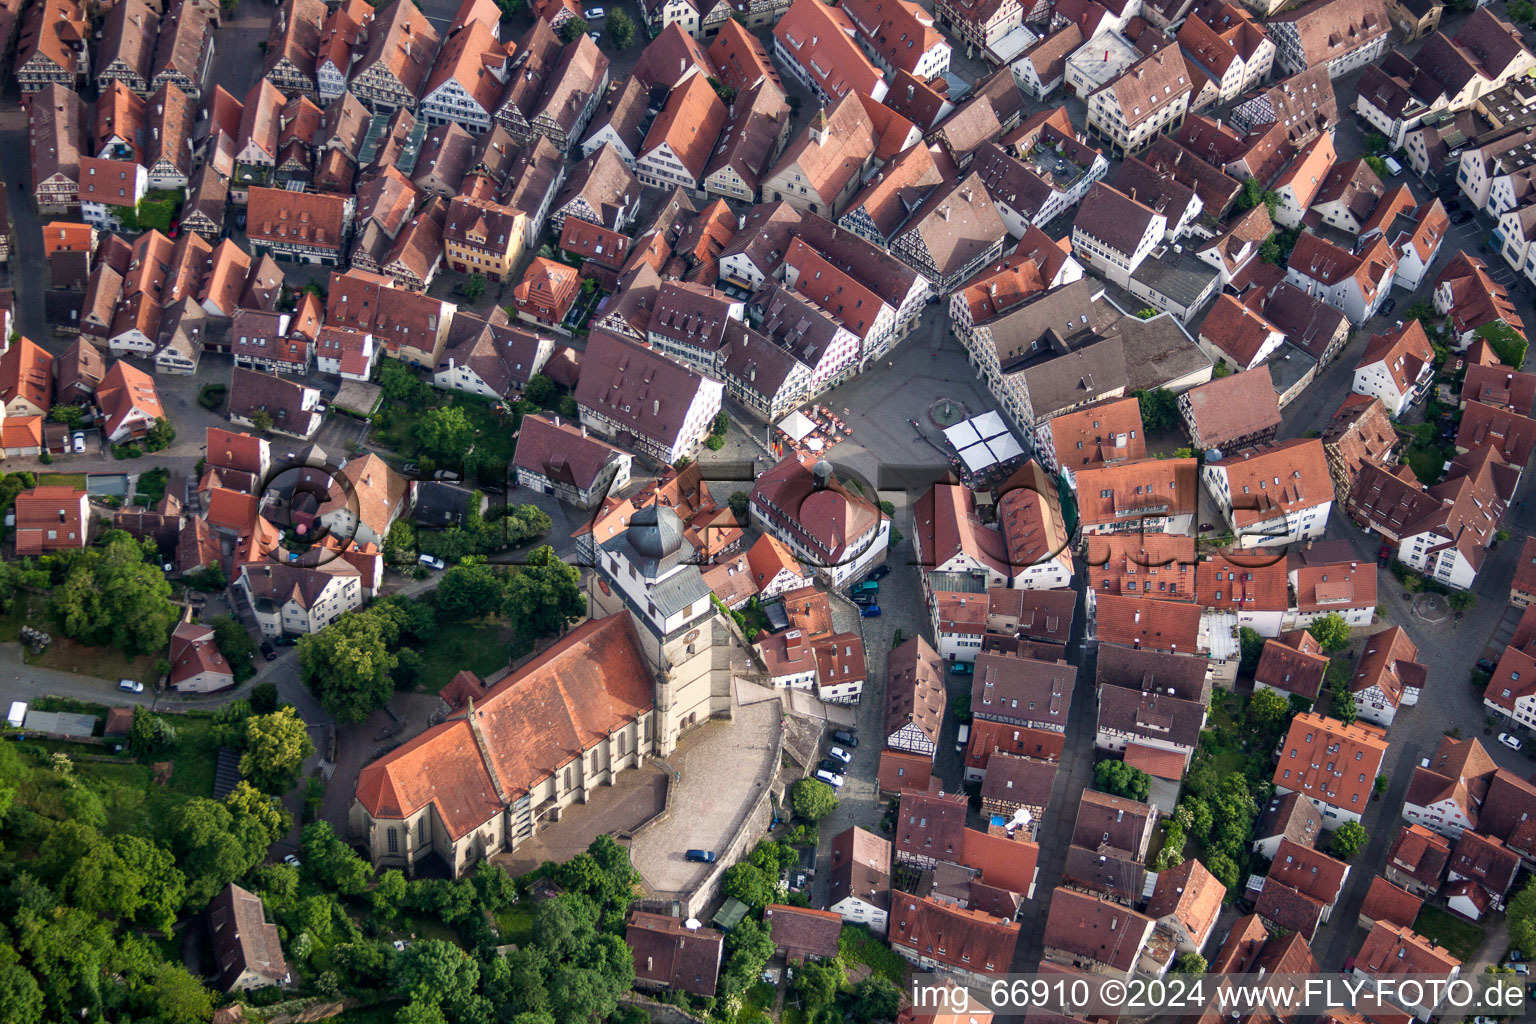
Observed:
{"x":1384,"y":555}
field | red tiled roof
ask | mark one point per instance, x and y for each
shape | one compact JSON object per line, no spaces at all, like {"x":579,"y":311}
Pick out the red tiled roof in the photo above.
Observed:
{"x":1141,"y":622}
{"x":1386,"y":902}
{"x":533,"y":722}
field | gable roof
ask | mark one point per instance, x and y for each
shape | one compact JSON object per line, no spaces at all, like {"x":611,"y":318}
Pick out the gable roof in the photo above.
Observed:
{"x":527,"y":726}
{"x":1238,"y":405}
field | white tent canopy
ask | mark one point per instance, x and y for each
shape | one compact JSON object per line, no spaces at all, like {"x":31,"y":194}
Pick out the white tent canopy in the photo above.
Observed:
{"x":983,"y":441}
{"x":797,"y":425}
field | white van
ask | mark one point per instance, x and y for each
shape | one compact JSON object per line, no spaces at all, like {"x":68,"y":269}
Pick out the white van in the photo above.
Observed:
{"x":962,"y":737}
{"x":1393,"y":166}
{"x":17,"y":715}
{"x":835,"y":781}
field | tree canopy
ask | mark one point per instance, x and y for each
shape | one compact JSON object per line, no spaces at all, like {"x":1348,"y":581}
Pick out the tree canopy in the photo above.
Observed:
{"x":276,"y":746}
{"x":1121,"y":779}
{"x":813,"y":799}
{"x":347,"y":665}
{"x":1331,"y":631}
{"x":543,"y":595}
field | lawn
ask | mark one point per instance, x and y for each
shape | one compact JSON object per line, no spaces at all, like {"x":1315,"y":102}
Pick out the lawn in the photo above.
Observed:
{"x":75,"y":480}
{"x":1426,"y":463}
{"x":395,"y":426}
{"x":479,"y":648}
{"x":133,"y":800}
{"x":515,"y":923}
{"x":1462,"y":938}
{"x":67,"y":655}
{"x":756,"y":1004}
{"x":857,"y":946}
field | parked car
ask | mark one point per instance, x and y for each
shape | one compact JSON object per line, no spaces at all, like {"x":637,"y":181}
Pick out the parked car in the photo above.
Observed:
{"x":411,"y":468}
{"x":865,"y":599}
{"x":1515,"y":956}
{"x":594,"y":14}
{"x":290,"y":860}
{"x":700,"y":856}
{"x":870,"y":611}
{"x":1349,"y":965}
{"x":1487,"y":665}
{"x":840,"y":754}
{"x":1460,"y":216}
{"x":77,"y":444}
{"x":1384,"y":555}
{"x":130,"y":686}
{"x":846,"y":738}
{"x":1510,"y":740}
{"x":493,"y":489}
{"x":867,"y":587}
{"x":268,"y":651}
{"x":880,"y":571}
{"x":962,"y":668}
{"x":596,"y":37}
{"x":431,"y":561}
{"x":1387,"y":307}
{"x":835,"y":781}
{"x":962,"y":737}
{"x":826,"y":764}
{"x":287,"y":640}
{"x":1520,"y":968}
{"x":447,"y":475}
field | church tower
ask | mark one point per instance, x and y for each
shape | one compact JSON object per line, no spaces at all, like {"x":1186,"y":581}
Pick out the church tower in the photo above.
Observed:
{"x":649,"y":571}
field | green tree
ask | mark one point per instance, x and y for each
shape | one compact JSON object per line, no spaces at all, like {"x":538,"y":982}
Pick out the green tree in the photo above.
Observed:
{"x":1225,"y":869}
{"x":1267,"y":707}
{"x":1331,"y":631}
{"x":960,"y":708}
{"x":347,"y":665}
{"x":573,"y":30}
{"x":276,"y":746}
{"x":112,"y":596}
{"x":875,"y":998}
{"x":215,"y":845}
{"x":1342,"y":706}
{"x":1159,"y":410}
{"x":741,"y":503}
{"x":621,"y":29}
{"x":813,"y":799}
{"x":1199,"y":818}
{"x":1347,"y":840}
{"x":470,"y":590}
{"x":160,"y":436}
{"x":1462,"y":600}
{"x":473,"y":286}
{"x":445,"y":433}
{"x":1252,"y":645}
{"x":235,"y":644}
{"x":21,"y":1001}
{"x":541,"y":391}
{"x":748,"y":947}
{"x":1172,"y":853}
{"x":1379,"y":788}
{"x":264,"y":697}
{"x":331,"y":862}
{"x":150,"y":735}
{"x":390,"y":894}
{"x":1121,"y":779}
{"x":543,"y":595}
{"x":1189,"y":963}
{"x":1520,"y":919}
{"x":436,"y":972}
{"x":174,"y":996}
{"x":261,"y":421}
{"x":816,"y":986}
